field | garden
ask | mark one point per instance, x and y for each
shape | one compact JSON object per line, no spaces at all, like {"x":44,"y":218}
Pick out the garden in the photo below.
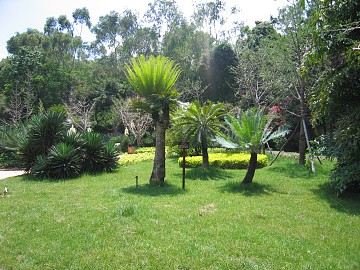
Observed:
{"x":262,"y":125}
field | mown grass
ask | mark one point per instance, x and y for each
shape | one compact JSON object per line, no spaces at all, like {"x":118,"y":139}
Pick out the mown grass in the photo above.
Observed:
{"x":287,"y":219}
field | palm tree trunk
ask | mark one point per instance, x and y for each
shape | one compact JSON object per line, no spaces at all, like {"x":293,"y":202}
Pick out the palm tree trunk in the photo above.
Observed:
{"x":158,"y":172}
{"x":204,"y":151}
{"x":251,"y":169}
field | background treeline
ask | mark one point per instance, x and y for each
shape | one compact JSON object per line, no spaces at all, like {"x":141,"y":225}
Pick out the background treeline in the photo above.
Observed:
{"x":305,"y":61}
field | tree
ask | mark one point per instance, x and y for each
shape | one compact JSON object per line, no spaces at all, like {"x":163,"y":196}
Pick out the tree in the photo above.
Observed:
{"x":218,"y":76}
{"x":135,"y":121}
{"x":153,"y":79}
{"x":334,"y":98}
{"x":250,"y":131}
{"x":202,"y":122}
{"x":293,"y":22}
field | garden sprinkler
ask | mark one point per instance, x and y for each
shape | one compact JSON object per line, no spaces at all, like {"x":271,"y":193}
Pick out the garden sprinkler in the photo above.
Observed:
{"x":137,"y":181}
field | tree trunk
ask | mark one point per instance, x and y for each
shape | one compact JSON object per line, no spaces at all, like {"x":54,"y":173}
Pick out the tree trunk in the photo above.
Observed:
{"x":251,"y":169}
{"x":204,"y":151}
{"x":158,"y":172}
{"x":161,"y":124}
{"x":302,"y":141}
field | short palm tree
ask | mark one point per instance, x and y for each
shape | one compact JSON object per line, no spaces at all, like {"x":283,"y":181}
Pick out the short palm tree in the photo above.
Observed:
{"x":153,"y":79}
{"x":250,"y":131}
{"x":202,"y":122}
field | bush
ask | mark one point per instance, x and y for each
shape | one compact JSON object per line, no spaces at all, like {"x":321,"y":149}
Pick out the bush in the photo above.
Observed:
{"x":225,"y":161}
{"x":49,"y":152}
{"x":44,"y":130}
{"x":345,"y":177}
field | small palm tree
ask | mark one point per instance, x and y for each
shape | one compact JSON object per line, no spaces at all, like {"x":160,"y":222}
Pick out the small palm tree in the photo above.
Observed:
{"x":250,"y":131}
{"x":153,"y":79}
{"x":203,"y":122}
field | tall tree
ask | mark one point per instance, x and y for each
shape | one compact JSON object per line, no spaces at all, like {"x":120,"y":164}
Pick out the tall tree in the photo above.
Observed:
{"x":154,"y":79}
{"x":294,"y":23}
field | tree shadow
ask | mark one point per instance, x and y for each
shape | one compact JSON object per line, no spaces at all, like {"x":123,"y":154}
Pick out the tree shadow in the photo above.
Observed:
{"x":205,"y":174}
{"x":252,"y":189}
{"x":154,"y":191}
{"x":348,"y":202}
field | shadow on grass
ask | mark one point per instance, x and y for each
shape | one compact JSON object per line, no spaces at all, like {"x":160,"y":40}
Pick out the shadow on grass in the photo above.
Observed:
{"x":153,"y":191}
{"x":253,"y":189}
{"x":348,"y":202}
{"x":201,"y":174}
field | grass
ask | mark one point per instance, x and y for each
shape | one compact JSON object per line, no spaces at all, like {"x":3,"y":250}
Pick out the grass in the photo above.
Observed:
{"x":287,"y":219}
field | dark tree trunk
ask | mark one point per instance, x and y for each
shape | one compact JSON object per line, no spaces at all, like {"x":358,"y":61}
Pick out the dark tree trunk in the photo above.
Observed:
{"x":251,"y":169}
{"x":204,"y":151}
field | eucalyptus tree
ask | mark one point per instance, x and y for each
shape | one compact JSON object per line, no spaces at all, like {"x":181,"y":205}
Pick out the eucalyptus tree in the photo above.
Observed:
{"x":163,"y":15}
{"x":153,"y":79}
{"x":249,"y":131}
{"x":113,"y":29}
{"x":209,"y":14}
{"x":202,"y":123}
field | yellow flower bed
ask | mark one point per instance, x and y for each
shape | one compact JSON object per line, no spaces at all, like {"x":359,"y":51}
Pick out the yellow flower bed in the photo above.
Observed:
{"x":225,"y":160}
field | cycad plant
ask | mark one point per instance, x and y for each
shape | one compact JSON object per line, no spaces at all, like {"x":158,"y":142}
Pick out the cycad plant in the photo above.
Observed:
{"x":250,"y":131}
{"x":202,"y":122}
{"x":153,"y":79}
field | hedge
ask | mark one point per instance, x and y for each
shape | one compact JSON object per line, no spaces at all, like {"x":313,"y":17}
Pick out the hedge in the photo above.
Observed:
{"x":225,"y":161}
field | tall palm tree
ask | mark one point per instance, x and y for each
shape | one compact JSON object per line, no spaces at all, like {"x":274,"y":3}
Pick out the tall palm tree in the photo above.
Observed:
{"x":250,"y":131}
{"x":203,"y":122}
{"x":153,"y":79}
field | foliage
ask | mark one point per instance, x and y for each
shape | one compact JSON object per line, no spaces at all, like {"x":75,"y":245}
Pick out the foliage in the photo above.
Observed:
{"x":43,"y":131}
{"x":202,"y":123}
{"x":48,"y":151}
{"x":250,"y":130}
{"x":98,"y":156}
{"x":153,"y":79}
{"x":63,"y":161}
{"x":225,"y":161}
{"x":345,"y":177}
{"x":334,"y":99}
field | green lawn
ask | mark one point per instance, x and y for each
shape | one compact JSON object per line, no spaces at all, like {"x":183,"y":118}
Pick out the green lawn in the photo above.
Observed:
{"x":287,"y":219}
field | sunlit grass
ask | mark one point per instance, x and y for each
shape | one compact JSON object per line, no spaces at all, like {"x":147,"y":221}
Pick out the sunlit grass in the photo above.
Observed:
{"x":287,"y":219}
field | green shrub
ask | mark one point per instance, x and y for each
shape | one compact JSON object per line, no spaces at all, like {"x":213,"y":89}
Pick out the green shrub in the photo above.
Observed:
{"x":64,"y":161}
{"x":94,"y":152}
{"x":44,"y":130}
{"x":110,"y":157}
{"x":345,"y":177}
{"x":40,"y":168}
{"x":225,"y":161}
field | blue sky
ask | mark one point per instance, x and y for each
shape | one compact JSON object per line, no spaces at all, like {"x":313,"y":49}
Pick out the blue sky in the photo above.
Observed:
{"x":19,"y":15}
